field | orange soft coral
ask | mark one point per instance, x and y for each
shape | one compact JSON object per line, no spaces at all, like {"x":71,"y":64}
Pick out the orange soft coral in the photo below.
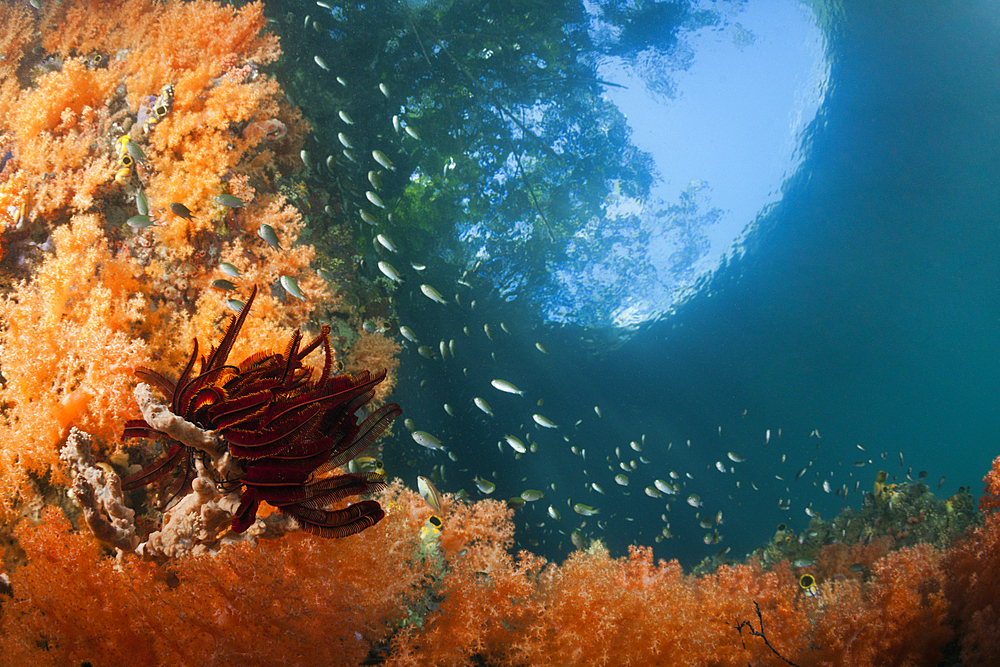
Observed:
{"x":375,"y":350}
{"x":210,"y":53}
{"x":990,"y":500}
{"x":68,"y":351}
{"x":69,"y":359}
{"x":595,"y":610}
{"x":276,"y":314}
{"x":460,"y":597}
{"x":973,"y":587}
{"x":481,"y":595}
{"x":59,"y":128}
{"x":898,"y":618}
{"x":297,"y":601}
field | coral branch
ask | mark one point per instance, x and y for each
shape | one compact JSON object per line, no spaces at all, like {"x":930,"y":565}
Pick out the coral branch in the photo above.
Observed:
{"x":160,"y":418}
{"x":99,"y":493}
{"x":759,"y":633}
{"x":197,"y":525}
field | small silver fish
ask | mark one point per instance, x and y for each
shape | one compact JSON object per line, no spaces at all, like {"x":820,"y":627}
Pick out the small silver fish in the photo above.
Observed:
{"x":383,"y":160}
{"x":408,"y":334}
{"x":266,"y":232}
{"x":507,"y":387}
{"x":390,"y":272}
{"x":374,"y":198}
{"x":544,"y":422}
{"x":344,"y":117}
{"x":386,"y":243}
{"x":432,"y":294}
{"x":321,"y":63}
{"x":229,"y":201}
{"x":230,"y":270}
{"x":141,"y":203}
{"x":483,"y":405}
{"x":425,"y":439}
{"x":292,"y":287}
{"x":138,"y":222}
{"x":515,"y":444}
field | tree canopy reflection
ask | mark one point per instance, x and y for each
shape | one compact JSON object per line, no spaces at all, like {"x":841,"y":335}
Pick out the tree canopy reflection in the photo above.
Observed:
{"x":520,"y":157}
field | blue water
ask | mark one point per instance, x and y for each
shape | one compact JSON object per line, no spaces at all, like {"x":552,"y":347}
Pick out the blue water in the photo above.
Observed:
{"x":863,"y":307}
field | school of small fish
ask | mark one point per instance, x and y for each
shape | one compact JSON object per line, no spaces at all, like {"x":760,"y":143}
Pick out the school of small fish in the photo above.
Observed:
{"x":638,"y":473}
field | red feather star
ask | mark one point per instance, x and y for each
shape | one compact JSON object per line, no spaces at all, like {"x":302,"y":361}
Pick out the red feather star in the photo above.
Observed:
{"x":289,"y":433}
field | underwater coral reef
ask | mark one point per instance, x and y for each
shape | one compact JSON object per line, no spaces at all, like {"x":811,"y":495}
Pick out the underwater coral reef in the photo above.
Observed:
{"x":149,"y":205}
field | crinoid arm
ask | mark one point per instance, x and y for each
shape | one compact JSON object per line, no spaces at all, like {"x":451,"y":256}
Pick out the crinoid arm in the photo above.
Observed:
{"x":337,"y":523}
{"x":289,"y":498}
{"x":364,"y":437}
{"x":156,"y":469}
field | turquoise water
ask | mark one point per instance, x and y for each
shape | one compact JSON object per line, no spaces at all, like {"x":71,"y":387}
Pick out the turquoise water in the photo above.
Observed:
{"x":858,"y":308}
